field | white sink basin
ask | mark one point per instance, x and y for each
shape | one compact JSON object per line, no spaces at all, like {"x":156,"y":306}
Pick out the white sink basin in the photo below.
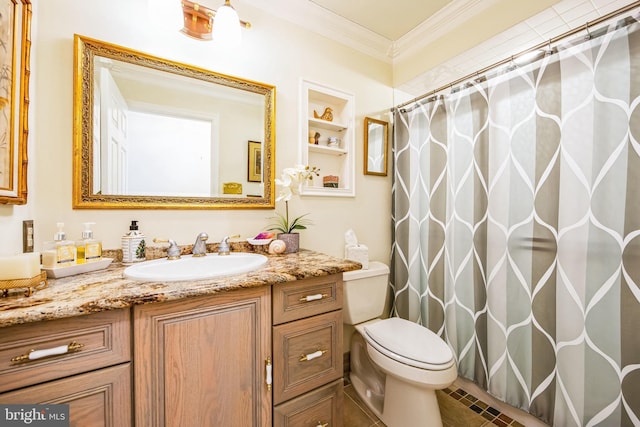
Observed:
{"x":195,"y":268}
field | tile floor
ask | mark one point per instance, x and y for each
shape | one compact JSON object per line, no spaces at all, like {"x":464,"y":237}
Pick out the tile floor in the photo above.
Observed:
{"x":457,"y":407}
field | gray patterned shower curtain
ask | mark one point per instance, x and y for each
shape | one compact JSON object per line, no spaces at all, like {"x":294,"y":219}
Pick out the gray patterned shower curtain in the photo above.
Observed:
{"x":516,"y":208}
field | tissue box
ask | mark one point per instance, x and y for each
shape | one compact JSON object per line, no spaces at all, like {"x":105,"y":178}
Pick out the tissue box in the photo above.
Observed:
{"x":359,"y":253}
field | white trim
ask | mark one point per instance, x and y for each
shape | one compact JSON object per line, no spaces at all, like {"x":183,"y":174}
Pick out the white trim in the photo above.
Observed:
{"x":442,"y":22}
{"x":322,"y":21}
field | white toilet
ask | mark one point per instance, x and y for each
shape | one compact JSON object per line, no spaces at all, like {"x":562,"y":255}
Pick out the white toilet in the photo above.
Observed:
{"x":396,"y":365}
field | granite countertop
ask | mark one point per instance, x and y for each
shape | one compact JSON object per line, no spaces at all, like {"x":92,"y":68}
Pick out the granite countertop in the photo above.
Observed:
{"x":109,"y":290}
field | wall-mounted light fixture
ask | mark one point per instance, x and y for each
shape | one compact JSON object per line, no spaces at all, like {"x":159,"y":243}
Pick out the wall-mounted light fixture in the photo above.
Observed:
{"x":199,"y":23}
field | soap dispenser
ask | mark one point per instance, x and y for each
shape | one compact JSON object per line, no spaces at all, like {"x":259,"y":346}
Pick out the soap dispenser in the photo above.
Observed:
{"x":88,"y":249}
{"x":133,"y":245}
{"x":60,"y":252}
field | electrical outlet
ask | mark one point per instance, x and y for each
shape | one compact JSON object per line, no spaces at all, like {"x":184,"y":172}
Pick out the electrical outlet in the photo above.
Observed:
{"x":27,"y":235}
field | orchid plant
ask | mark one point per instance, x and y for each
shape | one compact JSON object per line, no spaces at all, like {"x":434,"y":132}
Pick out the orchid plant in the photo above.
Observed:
{"x":290,"y":184}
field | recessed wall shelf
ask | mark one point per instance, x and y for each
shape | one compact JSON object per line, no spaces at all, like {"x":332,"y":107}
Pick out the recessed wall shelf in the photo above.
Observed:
{"x":323,"y":124}
{"x":338,"y":160}
{"x":327,"y":150}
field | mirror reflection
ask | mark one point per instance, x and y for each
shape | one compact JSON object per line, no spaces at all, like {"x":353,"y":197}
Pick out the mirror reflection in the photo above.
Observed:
{"x":375,"y":146}
{"x":155,"y":133}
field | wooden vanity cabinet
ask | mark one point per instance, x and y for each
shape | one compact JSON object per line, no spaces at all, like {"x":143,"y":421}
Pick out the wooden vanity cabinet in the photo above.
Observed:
{"x":203,"y":361}
{"x":94,"y":378}
{"x":200,"y":361}
{"x":307,"y":352}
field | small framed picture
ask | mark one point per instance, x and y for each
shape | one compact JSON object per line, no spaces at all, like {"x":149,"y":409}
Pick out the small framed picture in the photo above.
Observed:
{"x":254,"y":167}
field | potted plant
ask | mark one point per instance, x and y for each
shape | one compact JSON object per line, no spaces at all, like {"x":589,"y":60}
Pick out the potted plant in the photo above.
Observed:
{"x":290,"y":183}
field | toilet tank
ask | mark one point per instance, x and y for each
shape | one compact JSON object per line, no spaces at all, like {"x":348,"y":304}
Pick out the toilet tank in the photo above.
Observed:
{"x":365,"y":293}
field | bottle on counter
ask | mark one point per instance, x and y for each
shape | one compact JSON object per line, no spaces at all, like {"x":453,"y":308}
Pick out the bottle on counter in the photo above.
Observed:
{"x":60,"y":252}
{"x":88,"y":249}
{"x":133,"y":244}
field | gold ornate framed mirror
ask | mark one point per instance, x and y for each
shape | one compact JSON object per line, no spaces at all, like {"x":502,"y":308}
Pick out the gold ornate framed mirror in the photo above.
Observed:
{"x":150,"y":133}
{"x":376,"y":133}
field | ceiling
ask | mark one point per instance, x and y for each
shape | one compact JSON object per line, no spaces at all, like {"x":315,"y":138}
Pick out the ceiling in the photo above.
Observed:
{"x":382,"y":29}
{"x":430,"y":43}
{"x":389,"y":19}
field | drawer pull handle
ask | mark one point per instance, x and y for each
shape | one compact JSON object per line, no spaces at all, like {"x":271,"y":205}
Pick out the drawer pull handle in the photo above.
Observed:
{"x":55,"y":351}
{"x":311,"y":356}
{"x":313,"y":297}
{"x":321,"y":424}
{"x":269,"y":369}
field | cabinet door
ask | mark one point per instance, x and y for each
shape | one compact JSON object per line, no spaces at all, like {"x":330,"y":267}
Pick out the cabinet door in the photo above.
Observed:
{"x":97,"y":399}
{"x":202,"y":361}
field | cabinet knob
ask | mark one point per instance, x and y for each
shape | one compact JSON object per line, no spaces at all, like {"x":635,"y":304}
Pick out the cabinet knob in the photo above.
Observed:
{"x":321,"y":424}
{"x":48,"y":352}
{"x":311,"y":356}
{"x":314,"y":297}
{"x":269,"y":370}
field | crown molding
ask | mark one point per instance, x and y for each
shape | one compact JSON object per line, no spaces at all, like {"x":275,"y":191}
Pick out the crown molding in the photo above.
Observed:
{"x":315,"y":18}
{"x":445,"y":20}
{"x":321,"y":21}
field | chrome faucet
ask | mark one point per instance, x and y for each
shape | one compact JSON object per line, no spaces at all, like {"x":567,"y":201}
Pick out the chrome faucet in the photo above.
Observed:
{"x":223,"y":247}
{"x":200,"y":247}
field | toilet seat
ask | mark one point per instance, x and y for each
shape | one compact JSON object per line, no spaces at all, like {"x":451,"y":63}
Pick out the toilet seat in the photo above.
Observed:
{"x":409,"y":343}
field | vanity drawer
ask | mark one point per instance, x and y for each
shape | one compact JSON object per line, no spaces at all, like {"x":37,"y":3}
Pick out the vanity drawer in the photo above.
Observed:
{"x":103,"y":339}
{"x":97,"y":398}
{"x":317,"y":408}
{"x":307,"y":354}
{"x":300,"y":299}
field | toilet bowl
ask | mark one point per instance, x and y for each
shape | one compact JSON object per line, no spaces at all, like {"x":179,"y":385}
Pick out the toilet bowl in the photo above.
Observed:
{"x":396,"y":365}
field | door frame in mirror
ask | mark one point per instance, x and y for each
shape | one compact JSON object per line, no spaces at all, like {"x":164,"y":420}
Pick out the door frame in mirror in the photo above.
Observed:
{"x":85,"y":51}
{"x":380,"y":144}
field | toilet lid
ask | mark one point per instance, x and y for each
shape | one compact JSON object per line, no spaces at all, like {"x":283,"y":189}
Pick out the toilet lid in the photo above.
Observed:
{"x":409,"y":343}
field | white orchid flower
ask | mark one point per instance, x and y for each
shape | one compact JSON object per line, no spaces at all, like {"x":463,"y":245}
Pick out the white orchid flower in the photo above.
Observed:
{"x":290,"y":183}
{"x":285,"y":188}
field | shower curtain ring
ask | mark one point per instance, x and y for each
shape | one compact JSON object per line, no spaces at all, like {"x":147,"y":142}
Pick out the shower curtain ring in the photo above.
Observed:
{"x":586,"y":27}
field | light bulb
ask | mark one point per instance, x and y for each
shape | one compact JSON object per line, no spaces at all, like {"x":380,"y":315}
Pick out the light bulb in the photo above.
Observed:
{"x":226,"y":26}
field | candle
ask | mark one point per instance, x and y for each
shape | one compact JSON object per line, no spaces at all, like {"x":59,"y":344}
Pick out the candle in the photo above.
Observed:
{"x":23,"y":266}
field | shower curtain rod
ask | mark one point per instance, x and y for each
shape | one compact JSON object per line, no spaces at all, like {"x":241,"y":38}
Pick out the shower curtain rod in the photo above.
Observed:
{"x":551,"y":41}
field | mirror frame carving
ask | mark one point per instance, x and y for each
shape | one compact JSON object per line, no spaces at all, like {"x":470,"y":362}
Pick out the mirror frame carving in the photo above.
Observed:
{"x":18,"y":104}
{"x":85,"y":49}
{"x":385,"y":144}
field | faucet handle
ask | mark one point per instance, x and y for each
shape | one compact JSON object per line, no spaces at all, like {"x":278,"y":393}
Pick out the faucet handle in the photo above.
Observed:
{"x":173,"y":252}
{"x":223,"y":247}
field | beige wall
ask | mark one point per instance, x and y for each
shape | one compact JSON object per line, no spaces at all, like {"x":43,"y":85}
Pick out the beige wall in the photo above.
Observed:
{"x":491,"y":21}
{"x":273,"y":52}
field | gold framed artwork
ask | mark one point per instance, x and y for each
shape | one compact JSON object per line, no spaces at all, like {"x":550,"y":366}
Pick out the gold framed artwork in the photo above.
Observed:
{"x":15,"y":37}
{"x":254,"y":166}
